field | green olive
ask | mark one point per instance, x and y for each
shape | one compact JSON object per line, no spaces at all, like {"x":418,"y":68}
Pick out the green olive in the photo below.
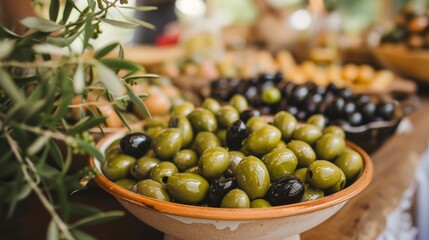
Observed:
{"x":126,"y":183}
{"x":286,"y":123}
{"x":236,"y":198}
{"x":252,"y":176}
{"x":303,"y":151}
{"x":154,"y":122}
{"x":213,"y":162}
{"x":204,"y":141}
{"x":113,"y":148}
{"x":227,"y":115}
{"x":142,"y":167}
{"x":301,"y":173}
{"x":185,"y":159}
{"x":221,"y":134}
{"x":203,"y":120}
{"x":183,"y":109}
{"x":185,"y":127}
{"x":338,"y":186}
{"x":162,"y":171}
{"x":193,"y":170}
{"x":323,"y":174}
{"x":255,"y":123}
{"x":281,"y":144}
{"x":154,"y":132}
{"x":259,"y":203}
{"x":118,"y":167}
{"x":351,"y":163}
{"x":317,"y":120}
{"x":187,"y":188}
{"x":235,"y":159}
{"x":153,"y":189}
{"x":335,"y":130}
{"x":113,"y":152}
{"x":330,"y":146}
{"x":211,"y":104}
{"x":239,"y":102}
{"x":271,"y":95}
{"x":308,"y":133}
{"x":311,"y":193}
{"x":280,"y":162}
{"x":168,"y":143}
{"x":263,"y":140}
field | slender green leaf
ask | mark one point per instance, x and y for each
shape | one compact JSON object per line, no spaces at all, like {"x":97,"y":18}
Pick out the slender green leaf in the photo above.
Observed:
{"x":91,"y":4}
{"x":10,"y":88}
{"x":105,"y":50}
{"x":37,"y":145}
{"x":88,"y":32}
{"x":63,"y":42}
{"x":4,"y":32}
{"x":6,"y":47}
{"x":119,"y":24}
{"x":140,"y":8}
{"x":118,"y":64}
{"x":136,"y":100}
{"x":83,"y":210}
{"x":121,"y":53}
{"x":54,"y":9}
{"x":141,"y":76}
{"x":68,"y":7}
{"x":79,"y":79}
{"x":53,"y":232}
{"x":137,"y":21}
{"x":90,"y":149}
{"x":56,"y":154}
{"x":97,"y":218}
{"x":40,"y":24}
{"x":48,"y":172}
{"x":109,"y":79}
{"x":80,"y":235}
{"x":122,"y":118}
{"x":46,"y":48}
{"x":66,"y":97}
{"x":87,"y":123}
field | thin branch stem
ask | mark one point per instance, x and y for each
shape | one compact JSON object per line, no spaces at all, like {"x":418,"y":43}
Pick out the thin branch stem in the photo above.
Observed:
{"x":48,"y":206}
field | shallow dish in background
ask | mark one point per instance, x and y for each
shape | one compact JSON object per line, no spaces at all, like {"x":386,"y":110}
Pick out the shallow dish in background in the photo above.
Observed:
{"x":179,"y":221}
{"x":408,"y":63}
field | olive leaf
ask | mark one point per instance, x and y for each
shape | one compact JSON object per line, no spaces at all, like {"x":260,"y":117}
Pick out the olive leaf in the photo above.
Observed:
{"x":137,"y":21}
{"x":105,"y":50}
{"x":108,"y":78}
{"x":47,"y":48}
{"x":6,"y":47}
{"x":119,"y":24}
{"x":41,"y":24}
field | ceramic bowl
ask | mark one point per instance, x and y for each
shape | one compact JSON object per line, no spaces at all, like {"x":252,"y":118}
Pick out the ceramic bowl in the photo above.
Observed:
{"x":179,"y":221}
{"x":408,"y":63}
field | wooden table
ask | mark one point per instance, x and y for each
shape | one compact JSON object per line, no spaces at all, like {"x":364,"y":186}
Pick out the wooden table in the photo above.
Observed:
{"x":362,"y":218}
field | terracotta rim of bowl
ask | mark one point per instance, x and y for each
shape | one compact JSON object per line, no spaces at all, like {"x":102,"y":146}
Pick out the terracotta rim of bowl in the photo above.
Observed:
{"x":230,"y":213}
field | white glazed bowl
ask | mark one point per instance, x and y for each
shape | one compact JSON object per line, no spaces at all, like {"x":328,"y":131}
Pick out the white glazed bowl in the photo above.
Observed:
{"x":179,"y":221}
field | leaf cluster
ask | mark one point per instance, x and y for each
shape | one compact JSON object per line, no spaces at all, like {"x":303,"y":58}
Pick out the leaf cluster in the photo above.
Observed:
{"x":40,"y":74}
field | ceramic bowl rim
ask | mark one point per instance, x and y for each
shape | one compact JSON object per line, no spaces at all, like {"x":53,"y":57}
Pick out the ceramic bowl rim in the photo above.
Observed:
{"x":211,"y":213}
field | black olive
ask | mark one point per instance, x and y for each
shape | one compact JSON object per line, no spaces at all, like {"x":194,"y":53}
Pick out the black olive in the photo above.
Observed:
{"x":135,"y":144}
{"x":291,"y":109}
{"x":220,"y":83}
{"x":361,"y":99}
{"x":299,"y":95}
{"x":247,"y":114}
{"x":266,"y":77}
{"x":287,"y":89}
{"x":368,"y":110}
{"x":335,"y":107}
{"x":218,"y":190}
{"x":386,"y":110}
{"x":265,"y":110}
{"x":313,"y":102}
{"x":345,"y":93}
{"x":235,"y":134}
{"x":266,"y":85}
{"x":332,"y":88}
{"x":251,"y":92}
{"x":233,"y":82}
{"x":355,"y":119}
{"x":286,"y":190}
{"x":278,"y":77}
{"x":349,"y":108}
{"x":301,"y":115}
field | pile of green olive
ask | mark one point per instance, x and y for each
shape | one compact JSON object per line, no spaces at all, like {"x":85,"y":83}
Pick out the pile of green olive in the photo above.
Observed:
{"x":229,"y":156}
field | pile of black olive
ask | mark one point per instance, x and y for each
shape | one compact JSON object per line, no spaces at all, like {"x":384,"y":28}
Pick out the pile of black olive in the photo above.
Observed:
{"x":339,"y":105}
